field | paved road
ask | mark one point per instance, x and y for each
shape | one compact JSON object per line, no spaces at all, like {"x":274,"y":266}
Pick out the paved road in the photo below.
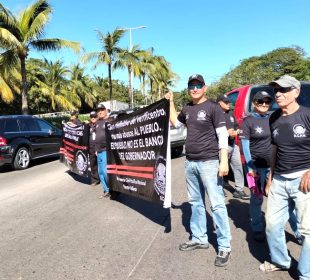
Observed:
{"x":53,"y":226}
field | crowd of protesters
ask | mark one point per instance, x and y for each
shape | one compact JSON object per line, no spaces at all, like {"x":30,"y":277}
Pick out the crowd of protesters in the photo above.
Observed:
{"x":277,"y":154}
{"x":276,"y":149}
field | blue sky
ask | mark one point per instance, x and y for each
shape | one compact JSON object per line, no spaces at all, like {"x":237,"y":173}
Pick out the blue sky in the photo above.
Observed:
{"x":202,"y":36}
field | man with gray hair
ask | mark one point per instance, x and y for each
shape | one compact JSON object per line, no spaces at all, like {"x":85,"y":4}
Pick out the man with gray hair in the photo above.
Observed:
{"x":288,"y":185}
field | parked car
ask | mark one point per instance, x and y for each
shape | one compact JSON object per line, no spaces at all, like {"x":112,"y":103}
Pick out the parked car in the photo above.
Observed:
{"x":241,"y":98}
{"x":24,"y":138}
{"x":177,"y":135}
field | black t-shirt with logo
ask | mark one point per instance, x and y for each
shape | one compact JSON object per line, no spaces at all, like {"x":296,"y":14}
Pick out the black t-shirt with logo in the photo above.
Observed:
{"x":257,"y":131}
{"x":201,"y":121}
{"x":231,"y":123}
{"x":291,"y":135}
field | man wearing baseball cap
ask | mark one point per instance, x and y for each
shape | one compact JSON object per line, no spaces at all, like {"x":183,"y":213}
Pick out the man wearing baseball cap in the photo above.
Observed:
{"x":101,"y":149}
{"x":92,"y":148}
{"x":204,"y":169}
{"x":75,"y":117}
{"x":289,"y":180}
{"x":234,"y":157}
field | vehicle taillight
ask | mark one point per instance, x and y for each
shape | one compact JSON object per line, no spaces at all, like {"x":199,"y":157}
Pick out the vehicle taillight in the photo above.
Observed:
{"x":3,"y":141}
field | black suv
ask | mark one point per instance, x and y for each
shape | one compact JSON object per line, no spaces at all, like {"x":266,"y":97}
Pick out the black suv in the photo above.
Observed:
{"x":23,"y":138}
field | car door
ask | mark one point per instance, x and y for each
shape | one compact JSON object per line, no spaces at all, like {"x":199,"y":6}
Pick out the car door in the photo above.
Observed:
{"x":36,"y":138}
{"x":53,"y":139}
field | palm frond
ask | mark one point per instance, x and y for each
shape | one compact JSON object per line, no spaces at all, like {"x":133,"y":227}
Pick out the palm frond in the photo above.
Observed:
{"x":9,"y":59}
{"x":55,"y":44}
{"x":8,"y":40}
{"x":6,"y":93}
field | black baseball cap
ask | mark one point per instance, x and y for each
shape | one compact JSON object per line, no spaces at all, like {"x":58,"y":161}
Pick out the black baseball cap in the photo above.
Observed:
{"x":196,"y":77}
{"x":222,"y":97}
{"x":261,"y":95}
{"x":93,"y":114}
{"x":100,"y":106}
{"x":74,"y":113}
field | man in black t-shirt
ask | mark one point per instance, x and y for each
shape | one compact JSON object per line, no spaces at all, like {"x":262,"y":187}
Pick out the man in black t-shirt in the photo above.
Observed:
{"x":206,"y":136}
{"x":234,"y":157}
{"x":289,"y":180}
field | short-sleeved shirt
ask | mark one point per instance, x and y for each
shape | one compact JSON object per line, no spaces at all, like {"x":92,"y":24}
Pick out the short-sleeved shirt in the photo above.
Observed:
{"x":201,"y":121}
{"x":231,"y":123}
{"x":257,"y":131}
{"x":291,"y":135}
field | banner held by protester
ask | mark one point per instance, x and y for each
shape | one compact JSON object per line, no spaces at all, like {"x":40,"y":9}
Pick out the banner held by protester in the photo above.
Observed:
{"x":74,"y":149}
{"x":137,"y":146}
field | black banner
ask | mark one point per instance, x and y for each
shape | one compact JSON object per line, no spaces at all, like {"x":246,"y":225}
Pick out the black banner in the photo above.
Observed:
{"x":75,"y":148}
{"x":137,"y":146}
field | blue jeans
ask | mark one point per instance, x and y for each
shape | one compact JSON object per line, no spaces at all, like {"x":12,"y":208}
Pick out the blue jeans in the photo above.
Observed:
{"x":257,"y":219}
{"x":282,"y":192}
{"x":202,"y":176}
{"x":102,"y":170}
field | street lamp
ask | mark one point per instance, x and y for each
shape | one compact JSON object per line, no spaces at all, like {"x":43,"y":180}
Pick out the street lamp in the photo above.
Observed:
{"x":130,"y":49}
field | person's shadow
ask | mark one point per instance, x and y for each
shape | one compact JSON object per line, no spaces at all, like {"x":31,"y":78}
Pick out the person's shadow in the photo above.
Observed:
{"x":238,"y":212}
{"x":151,"y":210}
{"x":186,"y":215}
{"x":79,"y":178}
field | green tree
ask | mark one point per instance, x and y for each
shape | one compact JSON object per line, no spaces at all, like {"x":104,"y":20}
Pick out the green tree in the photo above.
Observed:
{"x":130,"y":59}
{"x":109,"y":53}
{"x":18,"y":34}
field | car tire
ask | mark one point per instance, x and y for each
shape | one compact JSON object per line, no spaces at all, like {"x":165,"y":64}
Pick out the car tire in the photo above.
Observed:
{"x":21,"y":159}
{"x":177,"y":151}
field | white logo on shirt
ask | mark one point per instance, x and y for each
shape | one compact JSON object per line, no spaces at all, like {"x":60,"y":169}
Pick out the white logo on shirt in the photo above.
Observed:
{"x":259,"y":130}
{"x":275,"y":133}
{"x":201,"y":116}
{"x":299,"y":130}
{"x":232,"y":119}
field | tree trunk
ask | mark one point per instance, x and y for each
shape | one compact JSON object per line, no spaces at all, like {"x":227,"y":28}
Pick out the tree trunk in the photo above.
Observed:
{"x":24,"y":86}
{"x":110,"y":85}
{"x":130,"y":88}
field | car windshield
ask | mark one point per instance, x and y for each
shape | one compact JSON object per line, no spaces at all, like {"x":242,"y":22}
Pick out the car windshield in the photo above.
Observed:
{"x":303,"y":98}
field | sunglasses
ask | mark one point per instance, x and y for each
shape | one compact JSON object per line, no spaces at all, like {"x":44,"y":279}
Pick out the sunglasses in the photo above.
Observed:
{"x":197,"y":86}
{"x":261,"y":102}
{"x":283,"y":89}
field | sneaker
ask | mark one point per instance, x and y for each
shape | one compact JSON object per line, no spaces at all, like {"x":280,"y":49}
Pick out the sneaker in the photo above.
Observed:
{"x":192,"y":245}
{"x":105,"y":195}
{"x":241,"y":195}
{"x":222,"y":258}
{"x":259,"y":236}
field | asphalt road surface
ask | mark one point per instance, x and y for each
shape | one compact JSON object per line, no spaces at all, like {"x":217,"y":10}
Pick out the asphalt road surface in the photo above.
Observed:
{"x":53,"y":226}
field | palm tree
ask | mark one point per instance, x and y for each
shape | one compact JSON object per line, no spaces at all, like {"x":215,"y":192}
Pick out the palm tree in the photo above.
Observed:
{"x":82,"y":86}
{"x":130,"y":59}
{"x":109,"y":53}
{"x":53,"y":85}
{"x":18,"y":34}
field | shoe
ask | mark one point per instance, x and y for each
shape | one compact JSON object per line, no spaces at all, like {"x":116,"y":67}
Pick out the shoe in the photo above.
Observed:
{"x":222,"y":258}
{"x":300,"y":239}
{"x":192,"y":245}
{"x":241,"y":195}
{"x":270,"y":267}
{"x":259,"y":236}
{"x":105,"y":195}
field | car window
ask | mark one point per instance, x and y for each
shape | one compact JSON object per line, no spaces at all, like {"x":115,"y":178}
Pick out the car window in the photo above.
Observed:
{"x":44,"y":126}
{"x":28,"y":125}
{"x":232,"y":99}
{"x":2,"y":123}
{"x":11,"y":125}
{"x":304,"y":96}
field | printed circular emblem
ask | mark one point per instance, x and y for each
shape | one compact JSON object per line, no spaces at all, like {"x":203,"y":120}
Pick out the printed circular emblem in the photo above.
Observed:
{"x":160,"y":176}
{"x":299,"y":130}
{"x":81,"y":161}
{"x":201,"y":115}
